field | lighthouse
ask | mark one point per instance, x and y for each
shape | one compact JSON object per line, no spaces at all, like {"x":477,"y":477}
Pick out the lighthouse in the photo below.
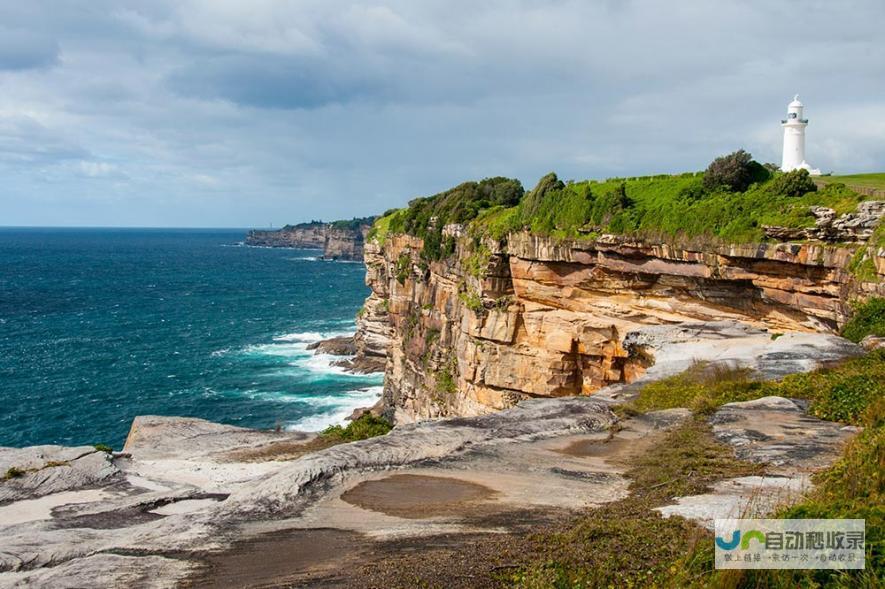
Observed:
{"x":794,"y":139}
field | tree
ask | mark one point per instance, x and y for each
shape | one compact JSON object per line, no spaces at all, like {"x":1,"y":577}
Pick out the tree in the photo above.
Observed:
{"x":735,"y":172}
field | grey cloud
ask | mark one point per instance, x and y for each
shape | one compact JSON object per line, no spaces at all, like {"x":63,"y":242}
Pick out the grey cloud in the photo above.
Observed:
{"x":24,"y":141}
{"x":194,"y":112}
{"x":272,"y":82}
{"x":23,"y":50}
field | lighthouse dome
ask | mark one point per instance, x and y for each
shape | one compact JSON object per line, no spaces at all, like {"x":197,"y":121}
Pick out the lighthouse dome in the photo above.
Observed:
{"x":796,"y":101}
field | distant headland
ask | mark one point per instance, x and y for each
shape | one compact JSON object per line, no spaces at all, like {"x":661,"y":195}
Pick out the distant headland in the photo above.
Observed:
{"x":339,"y":240}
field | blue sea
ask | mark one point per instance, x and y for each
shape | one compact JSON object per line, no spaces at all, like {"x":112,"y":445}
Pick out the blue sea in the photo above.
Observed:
{"x":98,"y":326}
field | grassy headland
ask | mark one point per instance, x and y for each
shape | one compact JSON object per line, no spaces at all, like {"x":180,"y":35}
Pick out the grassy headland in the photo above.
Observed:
{"x":684,"y":206}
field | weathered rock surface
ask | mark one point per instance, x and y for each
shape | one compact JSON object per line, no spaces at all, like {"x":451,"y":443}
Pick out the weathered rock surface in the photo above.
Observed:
{"x":775,"y":432}
{"x":778,"y":432}
{"x":192,"y":467}
{"x":357,"y":360}
{"x":872,"y":342}
{"x":42,"y":470}
{"x":538,"y":317}
{"x":855,"y":227}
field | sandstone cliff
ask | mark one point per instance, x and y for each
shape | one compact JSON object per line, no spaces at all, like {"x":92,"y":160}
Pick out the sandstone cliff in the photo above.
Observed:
{"x":339,"y":240}
{"x":531,"y":316}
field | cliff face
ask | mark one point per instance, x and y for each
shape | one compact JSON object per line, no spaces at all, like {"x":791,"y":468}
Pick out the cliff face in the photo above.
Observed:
{"x":345,"y":243}
{"x":340,"y":240}
{"x":304,"y":235}
{"x":538,"y":317}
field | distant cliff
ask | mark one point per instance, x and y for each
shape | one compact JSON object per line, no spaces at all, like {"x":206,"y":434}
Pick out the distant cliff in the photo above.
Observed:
{"x":339,"y":240}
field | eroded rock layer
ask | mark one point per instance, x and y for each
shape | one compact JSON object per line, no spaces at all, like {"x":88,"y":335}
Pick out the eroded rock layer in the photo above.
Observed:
{"x":495,"y":323}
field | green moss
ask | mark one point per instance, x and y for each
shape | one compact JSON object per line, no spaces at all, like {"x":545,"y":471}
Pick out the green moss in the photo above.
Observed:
{"x":702,"y":387}
{"x":103,"y":448}
{"x":868,"y":318}
{"x":366,"y":426}
{"x":862,"y":266}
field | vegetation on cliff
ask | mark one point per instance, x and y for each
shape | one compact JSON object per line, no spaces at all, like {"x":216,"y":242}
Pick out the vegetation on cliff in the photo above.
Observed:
{"x":426,"y":217}
{"x":730,"y":202}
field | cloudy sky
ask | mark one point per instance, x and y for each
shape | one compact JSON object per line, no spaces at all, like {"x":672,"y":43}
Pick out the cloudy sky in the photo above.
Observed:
{"x":243,"y":113}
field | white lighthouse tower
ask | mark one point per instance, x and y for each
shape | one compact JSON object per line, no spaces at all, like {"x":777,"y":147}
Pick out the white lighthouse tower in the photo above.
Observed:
{"x":794,"y":139}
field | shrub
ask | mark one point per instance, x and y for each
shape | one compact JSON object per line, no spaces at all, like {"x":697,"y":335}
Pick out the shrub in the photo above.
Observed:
{"x":366,"y":426}
{"x":531,"y":204}
{"x":445,"y":382}
{"x":403,"y":267}
{"x":732,"y":172}
{"x":868,"y":319}
{"x":471,"y":300}
{"x":477,"y":262}
{"x":793,"y":183}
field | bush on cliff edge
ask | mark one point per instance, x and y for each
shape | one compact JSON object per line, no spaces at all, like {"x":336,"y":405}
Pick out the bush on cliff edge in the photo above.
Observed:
{"x":868,"y":319}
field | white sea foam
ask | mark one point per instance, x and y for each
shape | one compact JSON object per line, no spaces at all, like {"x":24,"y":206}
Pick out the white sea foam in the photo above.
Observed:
{"x":334,"y":410}
{"x":301,"y":336}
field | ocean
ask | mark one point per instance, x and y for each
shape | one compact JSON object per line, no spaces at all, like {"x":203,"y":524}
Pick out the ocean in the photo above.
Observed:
{"x":98,"y":326}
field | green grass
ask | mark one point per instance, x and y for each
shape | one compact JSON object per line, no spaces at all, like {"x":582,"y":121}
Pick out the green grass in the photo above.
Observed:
{"x":677,"y":206}
{"x":381,"y":228}
{"x":103,"y":448}
{"x":366,"y":426}
{"x":868,"y":318}
{"x":865,"y":180}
